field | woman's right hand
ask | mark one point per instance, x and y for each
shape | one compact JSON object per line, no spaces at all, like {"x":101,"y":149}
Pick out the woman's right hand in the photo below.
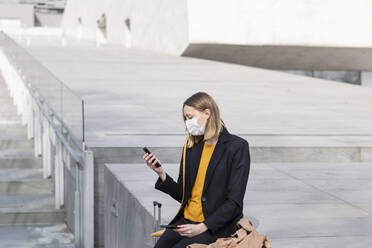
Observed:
{"x":151,"y":161}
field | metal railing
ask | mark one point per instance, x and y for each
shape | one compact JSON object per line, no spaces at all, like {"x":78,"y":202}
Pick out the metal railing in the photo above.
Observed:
{"x":54,"y":116}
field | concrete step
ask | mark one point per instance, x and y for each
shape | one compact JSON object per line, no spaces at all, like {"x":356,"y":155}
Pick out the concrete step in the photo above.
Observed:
{"x":19,"y":136}
{"x":23,"y":181}
{"x":33,"y":208}
{"x":5,"y":97}
{"x":9,"y":110}
{"x":5,"y":94}
{"x":27,"y":216}
{"x":20,"y":174}
{"x":7,"y":105}
{"x":3,"y":87}
{"x":7,"y":102}
{"x":40,"y":236}
{"x":42,"y":186}
{"x":16,"y":153}
{"x":301,"y":149}
{"x":22,"y":163}
{"x":30,"y":201}
{"x":10,"y":130}
{"x":8,"y":117}
{"x":16,"y":144}
{"x":14,"y":120}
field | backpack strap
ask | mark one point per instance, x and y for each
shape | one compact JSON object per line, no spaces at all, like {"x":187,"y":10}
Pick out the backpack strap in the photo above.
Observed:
{"x":239,"y":235}
{"x":183,"y":171}
{"x":246,"y":224}
{"x":184,"y":168}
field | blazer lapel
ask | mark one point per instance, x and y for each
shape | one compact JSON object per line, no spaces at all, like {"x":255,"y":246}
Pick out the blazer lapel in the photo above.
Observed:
{"x":216,"y":156}
{"x":192,"y":164}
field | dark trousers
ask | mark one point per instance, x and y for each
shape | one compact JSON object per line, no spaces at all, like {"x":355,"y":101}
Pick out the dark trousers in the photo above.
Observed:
{"x":172,"y":239}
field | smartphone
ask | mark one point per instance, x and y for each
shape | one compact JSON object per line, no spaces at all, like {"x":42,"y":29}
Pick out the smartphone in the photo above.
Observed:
{"x":148,"y":151}
{"x":169,"y":226}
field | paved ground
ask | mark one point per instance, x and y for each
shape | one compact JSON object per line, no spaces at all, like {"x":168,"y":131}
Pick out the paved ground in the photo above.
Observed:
{"x":131,"y":94}
{"x":298,"y":205}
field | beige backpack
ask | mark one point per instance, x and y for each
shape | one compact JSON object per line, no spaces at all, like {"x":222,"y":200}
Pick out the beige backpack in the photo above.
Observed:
{"x":245,"y":237}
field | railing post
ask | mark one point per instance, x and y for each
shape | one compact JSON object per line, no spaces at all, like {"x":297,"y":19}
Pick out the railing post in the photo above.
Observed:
{"x":88,"y":199}
{"x":38,"y":133}
{"x":77,"y":208}
{"x":23,"y":107}
{"x":47,"y":147}
{"x":27,"y":113}
{"x":31,"y":120}
{"x":53,"y":154}
{"x":59,"y":176}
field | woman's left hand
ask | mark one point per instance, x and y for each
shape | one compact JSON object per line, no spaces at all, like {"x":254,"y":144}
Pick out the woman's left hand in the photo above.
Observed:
{"x":191,"y":230}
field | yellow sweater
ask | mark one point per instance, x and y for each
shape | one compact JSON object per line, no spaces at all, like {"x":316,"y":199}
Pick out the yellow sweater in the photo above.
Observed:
{"x":193,"y":209}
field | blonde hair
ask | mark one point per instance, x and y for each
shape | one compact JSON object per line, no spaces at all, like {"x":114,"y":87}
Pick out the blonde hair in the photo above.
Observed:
{"x":201,"y":101}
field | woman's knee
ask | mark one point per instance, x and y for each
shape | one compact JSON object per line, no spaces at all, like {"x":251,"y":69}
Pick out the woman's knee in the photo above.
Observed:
{"x":167,"y":239}
{"x":203,"y":238}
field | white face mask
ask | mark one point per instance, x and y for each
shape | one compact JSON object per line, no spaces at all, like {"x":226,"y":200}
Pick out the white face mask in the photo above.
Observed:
{"x":194,"y":128}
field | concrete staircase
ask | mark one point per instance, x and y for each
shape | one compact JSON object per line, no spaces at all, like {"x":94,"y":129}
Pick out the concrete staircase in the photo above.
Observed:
{"x":27,"y":210}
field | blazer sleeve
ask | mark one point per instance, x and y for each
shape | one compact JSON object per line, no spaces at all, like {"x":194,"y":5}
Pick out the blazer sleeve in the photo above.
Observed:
{"x":238,"y":179}
{"x":169,"y":186}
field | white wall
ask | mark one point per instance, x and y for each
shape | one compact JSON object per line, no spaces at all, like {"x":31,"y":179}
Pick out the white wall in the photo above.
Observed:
{"x":22,"y":13}
{"x":160,"y":25}
{"x":285,"y":22}
{"x":170,"y":26}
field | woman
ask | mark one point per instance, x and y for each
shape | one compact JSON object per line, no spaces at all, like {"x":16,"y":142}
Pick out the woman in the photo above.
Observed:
{"x":216,"y":175}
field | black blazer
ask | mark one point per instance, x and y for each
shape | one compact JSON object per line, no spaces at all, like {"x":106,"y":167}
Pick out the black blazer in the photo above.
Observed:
{"x":224,"y":186}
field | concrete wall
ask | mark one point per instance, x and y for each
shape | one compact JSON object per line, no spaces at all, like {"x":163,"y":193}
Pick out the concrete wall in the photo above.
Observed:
{"x":169,"y":26}
{"x":160,"y":26}
{"x":22,"y":12}
{"x":48,"y":19}
{"x":366,"y":78}
{"x":118,"y":155}
{"x":128,"y":155}
{"x":127,"y":223}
